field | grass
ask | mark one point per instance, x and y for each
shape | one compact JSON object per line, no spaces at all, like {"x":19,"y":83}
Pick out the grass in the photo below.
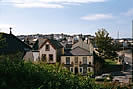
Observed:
{"x":110,"y":62}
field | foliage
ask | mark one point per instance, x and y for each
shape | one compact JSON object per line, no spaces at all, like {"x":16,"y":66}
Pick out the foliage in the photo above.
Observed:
{"x":14,"y":55}
{"x":109,"y":61}
{"x":17,"y":74}
{"x":2,"y":41}
{"x":104,"y":43}
{"x":98,"y":64}
{"x":111,"y":66}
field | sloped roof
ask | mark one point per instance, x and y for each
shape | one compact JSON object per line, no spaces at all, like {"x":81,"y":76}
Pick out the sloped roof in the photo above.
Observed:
{"x":54,"y":43}
{"x":42,"y":41}
{"x":29,"y":56}
{"x":38,"y":43}
{"x":12,"y":44}
{"x":78,"y":51}
{"x":88,"y":46}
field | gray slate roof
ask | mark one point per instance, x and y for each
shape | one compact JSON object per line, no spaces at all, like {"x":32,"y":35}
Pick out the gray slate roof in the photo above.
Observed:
{"x":40,"y":42}
{"x":29,"y":56}
{"x":12,"y":44}
{"x":55,"y":43}
{"x":78,"y":51}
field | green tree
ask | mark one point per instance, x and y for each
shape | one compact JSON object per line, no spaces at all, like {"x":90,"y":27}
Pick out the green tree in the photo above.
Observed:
{"x":20,"y":74}
{"x":105,"y":45}
{"x":2,"y":41}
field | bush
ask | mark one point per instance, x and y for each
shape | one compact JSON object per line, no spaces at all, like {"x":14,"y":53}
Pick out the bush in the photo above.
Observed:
{"x":17,"y":74}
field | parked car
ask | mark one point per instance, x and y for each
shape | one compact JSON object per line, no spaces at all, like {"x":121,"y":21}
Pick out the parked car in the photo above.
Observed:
{"x":103,"y":77}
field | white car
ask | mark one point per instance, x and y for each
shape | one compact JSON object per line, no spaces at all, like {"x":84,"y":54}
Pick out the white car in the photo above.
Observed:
{"x":102,"y":77}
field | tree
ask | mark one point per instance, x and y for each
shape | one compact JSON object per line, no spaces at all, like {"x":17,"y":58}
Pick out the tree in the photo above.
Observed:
{"x":105,"y":45}
{"x":2,"y":41}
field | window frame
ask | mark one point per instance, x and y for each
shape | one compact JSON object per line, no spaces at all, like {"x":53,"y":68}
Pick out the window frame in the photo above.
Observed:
{"x":84,"y":59}
{"x":47,"y":49}
{"x":88,"y":69}
{"x":72,"y":69}
{"x":69,"y":60}
{"x":82,"y":70}
{"x":43,"y":55}
{"x":52,"y":57}
{"x":76,"y":60}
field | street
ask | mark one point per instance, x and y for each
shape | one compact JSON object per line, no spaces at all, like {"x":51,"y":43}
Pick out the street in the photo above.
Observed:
{"x":127,"y":73}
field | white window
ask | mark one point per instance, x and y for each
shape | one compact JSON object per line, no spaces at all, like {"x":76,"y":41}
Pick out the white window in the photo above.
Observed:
{"x":71,"y":69}
{"x":81,"y":69}
{"x":84,"y":60}
{"x":67,"y":60}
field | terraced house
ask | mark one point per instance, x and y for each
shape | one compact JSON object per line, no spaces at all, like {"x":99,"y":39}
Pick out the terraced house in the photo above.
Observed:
{"x":79,"y":59}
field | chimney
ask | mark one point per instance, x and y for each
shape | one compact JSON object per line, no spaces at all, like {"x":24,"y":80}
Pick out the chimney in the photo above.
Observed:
{"x":10,"y":30}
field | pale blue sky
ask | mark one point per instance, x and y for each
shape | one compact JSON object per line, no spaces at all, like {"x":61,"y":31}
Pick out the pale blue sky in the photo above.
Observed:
{"x":67,"y":16}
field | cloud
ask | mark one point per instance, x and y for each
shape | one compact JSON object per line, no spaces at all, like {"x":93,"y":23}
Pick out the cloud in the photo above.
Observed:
{"x":73,"y":1}
{"x":97,"y":17}
{"x":129,"y":12}
{"x":47,"y":3}
{"x":38,"y":5}
{"x":3,"y":26}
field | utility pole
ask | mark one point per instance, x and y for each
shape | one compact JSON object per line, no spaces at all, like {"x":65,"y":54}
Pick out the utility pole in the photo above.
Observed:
{"x":118,"y":35}
{"x":132,"y":53}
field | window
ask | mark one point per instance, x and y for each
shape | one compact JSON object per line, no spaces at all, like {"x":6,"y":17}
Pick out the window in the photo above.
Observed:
{"x":76,"y":60}
{"x":47,"y":48}
{"x":51,"y":57}
{"x":80,"y":69}
{"x":88,"y":69}
{"x":84,"y":60}
{"x":89,"y":63}
{"x":71,"y":69}
{"x":43,"y":57}
{"x":67,"y":60}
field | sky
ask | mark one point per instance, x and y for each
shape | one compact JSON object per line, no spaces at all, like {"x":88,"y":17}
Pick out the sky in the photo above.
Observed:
{"x":67,"y":16}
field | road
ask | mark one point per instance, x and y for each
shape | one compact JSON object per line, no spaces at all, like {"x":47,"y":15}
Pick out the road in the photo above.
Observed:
{"x":127,"y":73}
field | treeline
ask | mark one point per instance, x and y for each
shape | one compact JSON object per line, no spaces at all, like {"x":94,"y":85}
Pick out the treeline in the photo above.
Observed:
{"x":18,"y":74}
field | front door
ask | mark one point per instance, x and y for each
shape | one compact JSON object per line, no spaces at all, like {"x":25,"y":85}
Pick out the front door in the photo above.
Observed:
{"x":76,"y":70}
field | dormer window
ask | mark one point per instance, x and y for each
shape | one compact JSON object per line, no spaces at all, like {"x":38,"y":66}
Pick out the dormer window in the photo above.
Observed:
{"x":47,"y":48}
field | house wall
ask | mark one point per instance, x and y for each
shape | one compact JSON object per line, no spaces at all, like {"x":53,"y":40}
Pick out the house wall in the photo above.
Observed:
{"x":80,"y":59}
{"x":79,"y":64}
{"x":51,"y":51}
{"x":59,"y":52}
{"x":36,"y":56}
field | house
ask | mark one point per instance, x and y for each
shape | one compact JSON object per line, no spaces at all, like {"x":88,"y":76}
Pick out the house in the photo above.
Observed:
{"x":79,"y":59}
{"x":12,"y":45}
{"x":47,"y":50}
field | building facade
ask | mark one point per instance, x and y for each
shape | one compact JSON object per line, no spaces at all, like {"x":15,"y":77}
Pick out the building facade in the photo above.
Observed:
{"x":80,"y":59}
{"x":47,"y":50}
